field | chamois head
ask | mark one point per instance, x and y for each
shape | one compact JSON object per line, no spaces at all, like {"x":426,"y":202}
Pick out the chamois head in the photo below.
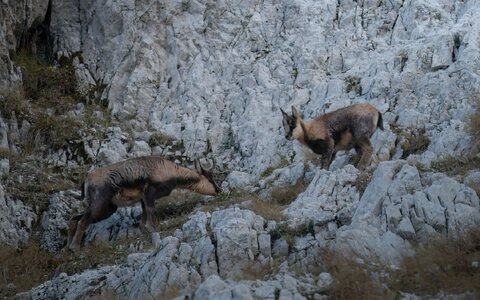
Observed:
{"x":293,"y":125}
{"x":206,"y":184}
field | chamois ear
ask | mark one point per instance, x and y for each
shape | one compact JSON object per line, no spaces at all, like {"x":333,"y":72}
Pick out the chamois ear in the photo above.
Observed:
{"x":295,"y":113}
{"x":286,"y":117}
{"x":305,"y":131}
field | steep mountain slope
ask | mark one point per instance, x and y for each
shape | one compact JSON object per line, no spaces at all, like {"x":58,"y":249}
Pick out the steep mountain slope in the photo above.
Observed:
{"x":188,"y":79}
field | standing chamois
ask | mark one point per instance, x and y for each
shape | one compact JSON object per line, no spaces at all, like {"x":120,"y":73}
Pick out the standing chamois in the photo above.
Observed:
{"x":141,"y":179}
{"x":343,"y":129}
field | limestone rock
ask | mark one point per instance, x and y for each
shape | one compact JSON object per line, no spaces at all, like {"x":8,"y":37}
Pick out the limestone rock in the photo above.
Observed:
{"x":54,"y":221}
{"x":16,"y":220}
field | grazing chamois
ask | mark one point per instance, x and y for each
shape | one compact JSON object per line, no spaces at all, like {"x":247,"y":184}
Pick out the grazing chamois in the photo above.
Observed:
{"x":343,"y":129}
{"x":141,"y":179}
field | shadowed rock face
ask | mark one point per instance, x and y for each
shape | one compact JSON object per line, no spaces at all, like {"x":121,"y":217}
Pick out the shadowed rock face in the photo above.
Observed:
{"x":213,"y":74}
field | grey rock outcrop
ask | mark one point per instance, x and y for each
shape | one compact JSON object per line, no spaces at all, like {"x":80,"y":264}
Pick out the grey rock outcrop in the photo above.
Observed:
{"x":54,"y":221}
{"x":16,"y":220}
{"x":399,"y":207}
{"x":224,"y":243}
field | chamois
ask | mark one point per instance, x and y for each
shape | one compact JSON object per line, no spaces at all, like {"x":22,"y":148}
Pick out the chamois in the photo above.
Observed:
{"x":343,"y":129}
{"x":141,"y":179}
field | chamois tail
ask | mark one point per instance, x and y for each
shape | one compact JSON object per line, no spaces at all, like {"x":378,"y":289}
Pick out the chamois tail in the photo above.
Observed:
{"x":380,"y":121}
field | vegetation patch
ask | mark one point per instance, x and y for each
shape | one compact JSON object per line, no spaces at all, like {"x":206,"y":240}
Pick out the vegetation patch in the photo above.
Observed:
{"x":24,"y":268}
{"x":14,"y":103}
{"x":256,"y":271}
{"x":160,"y":139}
{"x":226,"y":199}
{"x":34,"y":182}
{"x":443,"y":266}
{"x":268,"y":171}
{"x":451,"y":265}
{"x":352,"y":279}
{"x":353,"y":83}
{"x":56,"y":131}
{"x":44,"y":103}
{"x":48,"y":86}
{"x":413,"y":141}
{"x":474,"y":126}
{"x":287,"y":194}
{"x":289,"y":233}
{"x":362,"y":181}
{"x":268,"y":210}
{"x":457,"y":165}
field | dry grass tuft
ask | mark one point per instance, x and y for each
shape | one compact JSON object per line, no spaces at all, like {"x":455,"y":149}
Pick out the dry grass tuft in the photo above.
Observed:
{"x":456,"y":165}
{"x":352,"y":280}
{"x":25,"y":268}
{"x":414,"y":141}
{"x":474,"y":126}
{"x":13,"y":103}
{"x":362,"y":181}
{"x":48,"y":86}
{"x":448,"y":265}
{"x":55,"y":131}
{"x":287,"y":194}
{"x":268,"y":171}
{"x":256,"y":271}
{"x":268,"y":210}
{"x":22,"y":269}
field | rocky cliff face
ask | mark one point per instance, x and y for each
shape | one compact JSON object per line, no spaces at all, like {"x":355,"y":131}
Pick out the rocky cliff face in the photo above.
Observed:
{"x":213,"y":75}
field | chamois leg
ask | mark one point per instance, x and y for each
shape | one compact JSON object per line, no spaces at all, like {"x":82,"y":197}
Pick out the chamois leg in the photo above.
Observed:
{"x":357,"y":156}
{"x":366,"y":153}
{"x":327,"y":159}
{"x":72,"y":228}
{"x":92,"y":215}
{"x":152,"y":192}
{"x":146,"y":221}
{"x":81,"y":226}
